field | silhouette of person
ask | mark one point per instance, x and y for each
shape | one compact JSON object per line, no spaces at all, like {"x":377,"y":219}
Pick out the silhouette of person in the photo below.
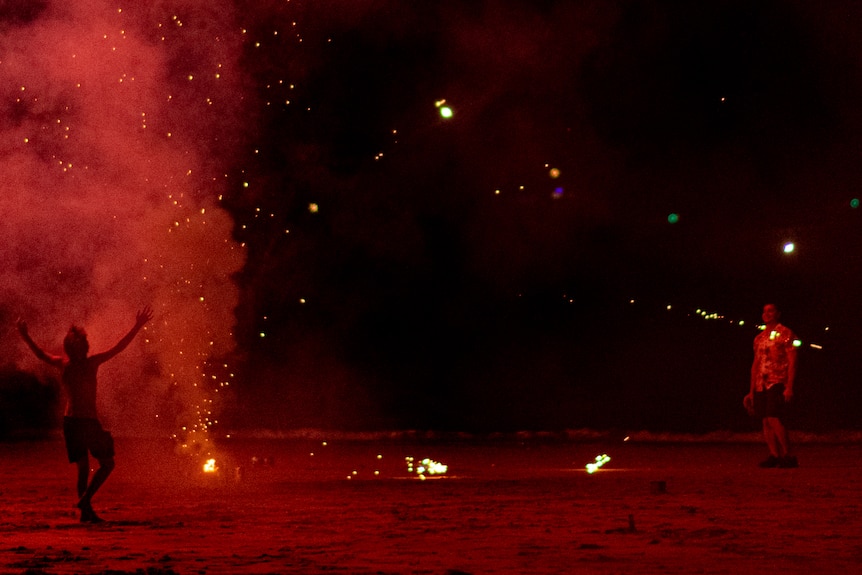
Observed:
{"x":772,"y":376}
{"x":82,"y":429}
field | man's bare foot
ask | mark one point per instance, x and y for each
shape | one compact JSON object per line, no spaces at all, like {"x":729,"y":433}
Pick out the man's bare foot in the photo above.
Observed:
{"x":87,"y":513}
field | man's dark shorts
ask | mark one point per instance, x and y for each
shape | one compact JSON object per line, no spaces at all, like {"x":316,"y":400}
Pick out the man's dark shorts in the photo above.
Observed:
{"x":85,"y":434}
{"x":770,"y":403}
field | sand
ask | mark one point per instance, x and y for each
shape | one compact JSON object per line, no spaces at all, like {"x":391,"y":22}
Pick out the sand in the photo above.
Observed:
{"x":504,"y":507}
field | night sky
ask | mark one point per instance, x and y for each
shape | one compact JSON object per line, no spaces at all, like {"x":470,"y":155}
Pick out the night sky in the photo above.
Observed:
{"x":586,"y":242}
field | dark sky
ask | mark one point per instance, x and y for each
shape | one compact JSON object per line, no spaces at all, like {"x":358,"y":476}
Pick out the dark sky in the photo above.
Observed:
{"x":450,"y":280}
{"x":517,"y":266}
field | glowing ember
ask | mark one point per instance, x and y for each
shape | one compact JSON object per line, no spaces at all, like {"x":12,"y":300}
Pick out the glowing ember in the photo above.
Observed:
{"x":600,"y":461}
{"x":210,"y":466}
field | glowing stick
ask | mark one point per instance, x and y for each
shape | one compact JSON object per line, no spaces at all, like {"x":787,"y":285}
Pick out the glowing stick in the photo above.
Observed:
{"x":600,"y":460}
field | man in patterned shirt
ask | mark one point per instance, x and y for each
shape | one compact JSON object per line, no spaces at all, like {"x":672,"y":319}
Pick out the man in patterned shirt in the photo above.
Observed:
{"x":772,"y":376}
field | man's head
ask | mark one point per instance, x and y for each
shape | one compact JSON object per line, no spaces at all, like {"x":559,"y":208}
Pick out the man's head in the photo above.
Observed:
{"x":770,"y":314}
{"x":75,"y":343}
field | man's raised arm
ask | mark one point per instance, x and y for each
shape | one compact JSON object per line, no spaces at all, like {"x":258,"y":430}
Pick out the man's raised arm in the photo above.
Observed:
{"x":141,"y":319}
{"x":54,"y":360}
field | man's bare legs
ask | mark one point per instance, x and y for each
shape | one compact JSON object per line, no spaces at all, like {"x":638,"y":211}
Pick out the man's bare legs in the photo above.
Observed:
{"x":778,"y":441}
{"x":86,"y":491}
{"x":776,"y":436}
{"x":83,"y":475}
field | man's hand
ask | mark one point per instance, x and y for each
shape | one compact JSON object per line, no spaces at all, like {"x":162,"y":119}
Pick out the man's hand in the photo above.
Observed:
{"x":748,"y":403}
{"x":143,"y":316}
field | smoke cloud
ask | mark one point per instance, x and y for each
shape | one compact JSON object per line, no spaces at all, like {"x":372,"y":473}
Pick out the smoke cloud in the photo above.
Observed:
{"x":117,"y":126}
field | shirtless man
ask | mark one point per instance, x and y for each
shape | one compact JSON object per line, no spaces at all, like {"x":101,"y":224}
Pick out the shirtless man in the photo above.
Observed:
{"x":81,"y":427}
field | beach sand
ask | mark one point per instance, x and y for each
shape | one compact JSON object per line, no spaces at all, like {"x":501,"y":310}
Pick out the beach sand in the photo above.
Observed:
{"x":506,"y":506}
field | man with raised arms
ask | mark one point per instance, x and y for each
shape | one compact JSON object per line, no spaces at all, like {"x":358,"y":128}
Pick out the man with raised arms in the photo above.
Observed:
{"x":82,"y":429}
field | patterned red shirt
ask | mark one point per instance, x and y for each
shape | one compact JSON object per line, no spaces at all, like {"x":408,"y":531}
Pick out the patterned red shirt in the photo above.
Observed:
{"x":772,"y":349}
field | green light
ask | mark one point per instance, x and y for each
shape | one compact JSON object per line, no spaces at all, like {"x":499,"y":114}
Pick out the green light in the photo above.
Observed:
{"x":672,"y":218}
{"x":854,"y":203}
{"x":445,"y":111}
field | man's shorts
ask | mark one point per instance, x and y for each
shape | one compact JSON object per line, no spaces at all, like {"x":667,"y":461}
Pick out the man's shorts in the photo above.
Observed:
{"x":85,"y":434}
{"x":770,"y":402}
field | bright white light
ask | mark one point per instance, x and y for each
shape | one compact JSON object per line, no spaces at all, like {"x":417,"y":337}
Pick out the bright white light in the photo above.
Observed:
{"x":432,"y":467}
{"x":426,"y":467}
{"x":789,"y":247}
